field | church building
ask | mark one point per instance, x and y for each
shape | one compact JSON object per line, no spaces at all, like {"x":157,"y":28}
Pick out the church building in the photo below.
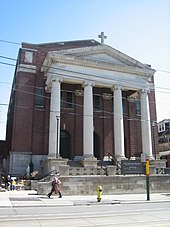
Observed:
{"x":79,"y":100}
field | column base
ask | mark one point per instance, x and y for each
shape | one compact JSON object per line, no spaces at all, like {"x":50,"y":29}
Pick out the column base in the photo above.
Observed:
{"x":120,"y":158}
{"x":151,"y":157}
{"x":90,"y":161}
{"x":144,"y":156}
{"x":53,"y":156}
{"x":55,"y":164}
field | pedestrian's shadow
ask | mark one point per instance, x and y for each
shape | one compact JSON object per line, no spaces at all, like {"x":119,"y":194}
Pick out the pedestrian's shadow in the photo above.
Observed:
{"x":167,"y":194}
{"x":33,"y":193}
{"x":44,"y":197}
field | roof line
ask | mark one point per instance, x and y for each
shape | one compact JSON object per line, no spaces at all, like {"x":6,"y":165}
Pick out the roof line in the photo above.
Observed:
{"x":61,"y":42}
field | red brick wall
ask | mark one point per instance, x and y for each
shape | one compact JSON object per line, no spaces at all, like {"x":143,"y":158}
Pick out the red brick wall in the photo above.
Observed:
{"x":31,"y":124}
{"x":23,"y":112}
{"x":135,"y":137}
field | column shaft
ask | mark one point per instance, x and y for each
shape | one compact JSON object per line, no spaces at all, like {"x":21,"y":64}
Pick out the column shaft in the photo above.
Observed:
{"x":54,"y":129}
{"x":145,"y":124}
{"x":118,"y":123}
{"x":88,"y":121}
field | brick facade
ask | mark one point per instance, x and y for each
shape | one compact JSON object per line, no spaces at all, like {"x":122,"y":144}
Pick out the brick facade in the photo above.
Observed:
{"x":28,"y":124}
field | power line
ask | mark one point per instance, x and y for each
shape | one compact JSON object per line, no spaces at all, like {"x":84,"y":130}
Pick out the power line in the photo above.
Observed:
{"x":10,"y":42}
{"x":163,"y":88}
{"x":5,"y":83}
{"x":65,"y":70}
{"x":65,"y":90}
{"x":8,"y":58}
{"x":69,"y":90}
{"x":33,"y":86}
{"x":63,"y":74}
{"x":164,"y":71}
{"x":71,"y":71}
{"x":16,"y":43}
{"x":72,"y":113}
{"x":4,"y":63}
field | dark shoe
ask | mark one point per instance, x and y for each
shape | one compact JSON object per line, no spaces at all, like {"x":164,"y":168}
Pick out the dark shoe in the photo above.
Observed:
{"x":48,"y":196}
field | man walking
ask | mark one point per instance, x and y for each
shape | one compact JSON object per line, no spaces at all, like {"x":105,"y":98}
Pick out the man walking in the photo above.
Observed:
{"x":55,"y":186}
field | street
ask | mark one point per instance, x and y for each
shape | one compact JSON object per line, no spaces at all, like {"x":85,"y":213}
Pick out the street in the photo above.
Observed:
{"x":138,"y":214}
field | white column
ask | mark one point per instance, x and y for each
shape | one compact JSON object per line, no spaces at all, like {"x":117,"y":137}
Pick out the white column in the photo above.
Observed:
{"x":145,"y":124}
{"x":88,"y":120}
{"x":54,"y":129}
{"x":118,"y":123}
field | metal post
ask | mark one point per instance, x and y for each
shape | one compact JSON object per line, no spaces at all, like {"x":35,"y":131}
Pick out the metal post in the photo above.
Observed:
{"x":147,"y":179}
{"x":153,"y":136}
{"x":57,"y":143}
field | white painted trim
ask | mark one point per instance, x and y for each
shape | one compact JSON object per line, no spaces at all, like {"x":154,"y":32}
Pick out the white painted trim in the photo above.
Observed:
{"x":26,"y":68}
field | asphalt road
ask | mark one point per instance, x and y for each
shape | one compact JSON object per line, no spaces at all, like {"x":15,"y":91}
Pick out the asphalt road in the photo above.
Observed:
{"x":129,"y":215}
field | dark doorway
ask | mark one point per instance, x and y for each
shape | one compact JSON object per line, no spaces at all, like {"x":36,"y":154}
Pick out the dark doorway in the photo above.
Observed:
{"x":97,"y":146}
{"x":64,"y":144}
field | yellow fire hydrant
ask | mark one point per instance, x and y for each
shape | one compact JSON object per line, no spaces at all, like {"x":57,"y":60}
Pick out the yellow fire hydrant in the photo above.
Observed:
{"x":99,"y":193}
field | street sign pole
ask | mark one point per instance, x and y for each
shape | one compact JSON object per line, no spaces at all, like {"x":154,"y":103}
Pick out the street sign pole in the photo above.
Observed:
{"x":147,"y":179}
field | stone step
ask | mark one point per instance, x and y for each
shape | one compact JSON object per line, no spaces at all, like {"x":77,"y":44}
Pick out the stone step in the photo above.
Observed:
{"x":74,"y":163}
{"x":82,"y":171}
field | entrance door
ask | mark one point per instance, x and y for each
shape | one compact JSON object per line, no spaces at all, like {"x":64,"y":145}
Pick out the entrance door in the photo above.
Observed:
{"x":64,"y":144}
{"x":96,"y":146}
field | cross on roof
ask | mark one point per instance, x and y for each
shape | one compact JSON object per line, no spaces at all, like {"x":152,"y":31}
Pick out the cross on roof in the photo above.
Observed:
{"x":103,"y":37}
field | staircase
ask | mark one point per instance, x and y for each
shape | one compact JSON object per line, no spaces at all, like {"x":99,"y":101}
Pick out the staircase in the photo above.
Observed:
{"x":77,"y":169}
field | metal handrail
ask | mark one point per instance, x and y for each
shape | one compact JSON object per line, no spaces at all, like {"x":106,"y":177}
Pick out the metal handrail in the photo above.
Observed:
{"x":104,"y":168}
{"x":114,"y":160}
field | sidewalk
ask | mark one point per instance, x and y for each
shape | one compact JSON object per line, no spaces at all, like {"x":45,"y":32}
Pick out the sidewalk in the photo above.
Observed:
{"x":30,"y":198}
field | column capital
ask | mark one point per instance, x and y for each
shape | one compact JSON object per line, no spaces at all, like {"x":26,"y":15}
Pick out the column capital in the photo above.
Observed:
{"x":88,"y":83}
{"x":56,"y":79}
{"x":116,"y":87}
{"x":144,"y":90}
{"x":107,"y":96}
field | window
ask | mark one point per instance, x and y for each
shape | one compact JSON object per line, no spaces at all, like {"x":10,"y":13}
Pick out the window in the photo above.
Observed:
{"x":124,"y":103}
{"x":97,"y":106}
{"x":161,"y":127}
{"x":61,"y":101}
{"x":69,"y":101}
{"x":28,"y":57}
{"x":113,"y":104}
{"x":39,"y":99}
{"x":138,"y":109}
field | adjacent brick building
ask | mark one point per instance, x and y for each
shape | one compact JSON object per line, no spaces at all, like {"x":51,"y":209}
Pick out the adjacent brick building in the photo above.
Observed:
{"x":79,"y":99}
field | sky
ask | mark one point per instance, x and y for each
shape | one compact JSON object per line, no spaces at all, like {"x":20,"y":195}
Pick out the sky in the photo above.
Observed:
{"x":138,"y":28}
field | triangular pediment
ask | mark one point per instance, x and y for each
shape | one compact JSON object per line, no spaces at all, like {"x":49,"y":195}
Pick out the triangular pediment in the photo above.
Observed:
{"x":103,"y":54}
{"x":101,"y":57}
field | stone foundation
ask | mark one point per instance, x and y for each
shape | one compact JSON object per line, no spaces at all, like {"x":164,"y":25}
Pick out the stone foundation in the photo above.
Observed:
{"x":86,"y":185}
{"x":19,"y":162}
